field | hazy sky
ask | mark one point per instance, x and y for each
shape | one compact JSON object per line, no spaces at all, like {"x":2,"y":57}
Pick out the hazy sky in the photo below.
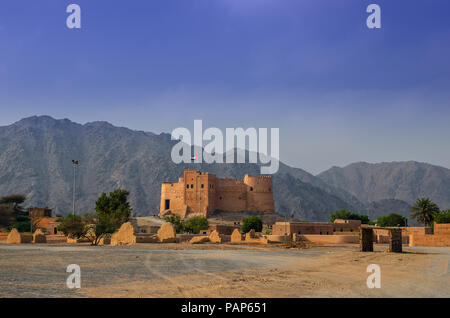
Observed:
{"x":338,"y":91}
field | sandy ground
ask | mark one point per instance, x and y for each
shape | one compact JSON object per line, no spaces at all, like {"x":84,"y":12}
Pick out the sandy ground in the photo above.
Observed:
{"x":182,"y":270}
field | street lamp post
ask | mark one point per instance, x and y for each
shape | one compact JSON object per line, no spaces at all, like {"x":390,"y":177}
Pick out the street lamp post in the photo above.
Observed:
{"x":75,"y":164}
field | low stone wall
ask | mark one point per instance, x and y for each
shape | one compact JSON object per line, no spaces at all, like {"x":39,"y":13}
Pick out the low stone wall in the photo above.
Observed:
{"x":442,"y":240}
{"x":74,"y":240}
{"x":55,"y":239}
{"x":3,"y":236}
{"x":14,"y":237}
{"x":329,"y":239}
{"x":182,"y":238}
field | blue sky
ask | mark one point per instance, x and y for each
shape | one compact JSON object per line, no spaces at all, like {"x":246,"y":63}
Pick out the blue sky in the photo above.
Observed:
{"x":338,"y":91}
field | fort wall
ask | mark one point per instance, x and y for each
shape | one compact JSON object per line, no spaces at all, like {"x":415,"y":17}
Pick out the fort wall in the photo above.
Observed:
{"x":199,"y":193}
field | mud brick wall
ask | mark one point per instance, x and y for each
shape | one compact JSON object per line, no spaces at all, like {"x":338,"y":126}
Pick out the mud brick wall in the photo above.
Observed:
{"x":366,"y":239}
{"x":430,"y":240}
{"x":395,"y":240}
{"x":329,"y":239}
{"x":442,"y":229}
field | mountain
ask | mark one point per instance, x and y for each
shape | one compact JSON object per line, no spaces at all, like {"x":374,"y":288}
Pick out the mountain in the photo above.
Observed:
{"x":404,"y":181}
{"x":36,"y":159}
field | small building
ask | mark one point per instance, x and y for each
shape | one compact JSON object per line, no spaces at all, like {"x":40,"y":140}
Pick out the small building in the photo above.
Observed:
{"x":39,"y":212}
{"x":49,"y":225}
{"x":300,"y":228}
{"x":340,"y":225}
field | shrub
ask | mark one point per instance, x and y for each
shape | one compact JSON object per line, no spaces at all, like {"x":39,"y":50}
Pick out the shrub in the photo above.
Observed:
{"x":392,"y":219}
{"x":195,"y":224}
{"x":252,"y":222}
{"x":442,"y":217}
{"x":176,"y":222}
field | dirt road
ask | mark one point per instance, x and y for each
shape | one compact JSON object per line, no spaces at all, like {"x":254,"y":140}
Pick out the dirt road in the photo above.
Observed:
{"x":182,"y":270}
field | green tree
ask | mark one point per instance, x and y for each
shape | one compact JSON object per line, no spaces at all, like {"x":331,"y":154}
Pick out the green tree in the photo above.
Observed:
{"x":195,"y":224}
{"x":176,"y":222}
{"x":252,"y":222}
{"x":442,"y":217}
{"x":392,"y":219}
{"x":113,"y":210}
{"x":72,"y":225}
{"x":344,"y":214}
{"x":12,"y":214}
{"x":424,"y":211}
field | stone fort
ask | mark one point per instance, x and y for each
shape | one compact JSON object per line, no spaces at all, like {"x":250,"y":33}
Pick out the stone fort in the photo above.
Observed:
{"x":201,"y":193}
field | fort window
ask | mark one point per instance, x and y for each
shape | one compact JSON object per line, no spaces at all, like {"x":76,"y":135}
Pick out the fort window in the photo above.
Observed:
{"x":192,"y":186}
{"x":251,"y":188}
{"x":320,"y":233}
{"x":167,"y":205}
{"x":202,"y":186}
{"x":187,"y":186}
{"x":342,"y":230}
{"x":220,"y":198}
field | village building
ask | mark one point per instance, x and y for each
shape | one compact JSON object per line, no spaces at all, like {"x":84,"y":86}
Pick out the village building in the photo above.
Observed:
{"x":320,"y":228}
{"x":202,"y":193}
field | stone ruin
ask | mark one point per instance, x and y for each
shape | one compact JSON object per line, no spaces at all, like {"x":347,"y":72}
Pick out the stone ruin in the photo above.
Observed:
{"x":167,"y":233}
{"x":15,"y":237}
{"x":395,"y":241}
{"x":237,"y":237}
{"x":129,"y":234}
{"x":214,"y":237}
{"x":367,"y":238}
{"x":39,"y":237}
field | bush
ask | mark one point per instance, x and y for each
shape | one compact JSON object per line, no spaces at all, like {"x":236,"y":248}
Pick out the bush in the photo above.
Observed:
{"x":252,"y":222}
{"x":347,"y":215}
{"x":392,"y":219}
{"x":195,"y":224}
{"x":23,"y":226}
{"x":176,"y":222}
{"x":442,"y":217}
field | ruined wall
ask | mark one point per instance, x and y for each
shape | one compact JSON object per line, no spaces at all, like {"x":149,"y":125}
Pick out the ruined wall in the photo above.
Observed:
{"x":14,"y":237}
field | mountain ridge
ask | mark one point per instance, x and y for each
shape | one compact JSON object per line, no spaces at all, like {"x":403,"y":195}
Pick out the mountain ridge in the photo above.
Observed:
{"x":36,"y":154}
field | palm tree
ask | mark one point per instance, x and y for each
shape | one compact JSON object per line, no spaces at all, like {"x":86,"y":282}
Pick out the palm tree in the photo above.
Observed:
{"x":424,"y":211}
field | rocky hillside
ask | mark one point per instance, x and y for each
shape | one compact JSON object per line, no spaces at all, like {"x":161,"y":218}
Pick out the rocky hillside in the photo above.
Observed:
{"x":404,"y":181}
{"x":36,"y":155}
{"x":36,"y":159}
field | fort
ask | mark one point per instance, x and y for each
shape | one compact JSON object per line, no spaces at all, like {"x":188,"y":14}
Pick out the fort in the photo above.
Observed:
{"x":202,"y":193}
